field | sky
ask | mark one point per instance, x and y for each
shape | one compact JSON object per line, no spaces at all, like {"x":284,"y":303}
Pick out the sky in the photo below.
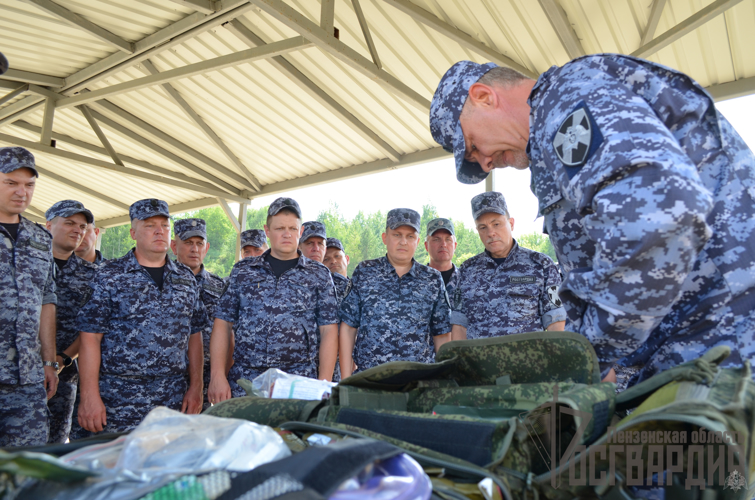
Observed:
{"x":435,"y":183}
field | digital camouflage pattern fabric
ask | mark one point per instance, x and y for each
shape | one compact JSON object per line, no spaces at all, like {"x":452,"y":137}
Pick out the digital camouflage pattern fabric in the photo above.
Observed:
{"x":342,"y":286}
{"x":72,"y":290}
{"x":445,"y":109}
{"x":67,"y":208}
{"x":283,"y":202}
{"x":518,"y":295}
{"x":211,"y":289}
{"x":491,"y":201}
{"x":276,"y":320}
{"x":14,"y":158}
{"x":395,"y":318}
{"x":253,"y":237}
{"x":313,"y":228}
{"x":438,"y":224}
{"x":145,"y":331}
{"x":188,"y":228}
{"x":403,"y":217}
{"x":26,"y":283}
{"x":144,"y":209}
{"x":335,"y":243}
{"x":655,"y":231}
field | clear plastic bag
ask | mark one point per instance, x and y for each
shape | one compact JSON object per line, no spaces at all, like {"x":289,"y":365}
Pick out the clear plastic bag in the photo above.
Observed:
{"x":165,"y":446}
{"x":277,"y":384}
{"x":395,"y":478}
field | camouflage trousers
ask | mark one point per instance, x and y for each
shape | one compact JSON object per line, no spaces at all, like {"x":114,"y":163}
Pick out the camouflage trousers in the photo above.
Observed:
{"x":23,"y":415}
{"x":61,"y":405}
{"x":127,"y":400}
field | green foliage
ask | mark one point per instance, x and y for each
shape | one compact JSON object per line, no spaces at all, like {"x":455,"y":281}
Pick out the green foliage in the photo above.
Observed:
{"x":539,"y":242}
{"x":361,"y":236}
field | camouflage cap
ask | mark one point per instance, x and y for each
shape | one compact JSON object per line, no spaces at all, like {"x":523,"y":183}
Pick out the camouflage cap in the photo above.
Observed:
{"x":313,"y":228}
{"x":13,"y":158}
{"x":144,"y":209}
{"x":490,"y":201}
{"x":253,"y":237}
{"x":445,"y":109}
{"x":403,"y":217}
{"x":438,"y":224}
{"x":3,"y":64}
{"x":188,"y":228}
{"x":281,"y":203}
{"x":67,"y":208}
{"x":334,"y":243}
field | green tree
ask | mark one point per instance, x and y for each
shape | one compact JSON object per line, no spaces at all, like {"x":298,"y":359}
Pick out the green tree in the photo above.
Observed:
{"x":539,"y":242}
{"x":116,"y":241}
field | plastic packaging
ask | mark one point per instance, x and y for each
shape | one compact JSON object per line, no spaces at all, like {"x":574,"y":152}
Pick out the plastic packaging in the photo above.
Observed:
{"x":396,"y":478}
{"x":165,"y":446}
{"x":277,"y":384}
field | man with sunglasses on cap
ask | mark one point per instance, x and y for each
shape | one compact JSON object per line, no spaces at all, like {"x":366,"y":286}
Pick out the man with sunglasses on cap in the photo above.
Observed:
{"x":253,"y":243}
{"x":140,"y":331}
{"x":647,"y":193}
{"x":283,"y":308}
{"x":67,"y":221}
{"x":190,"y":247}
{"x":28,"y":368}
{"x":396,"y":309}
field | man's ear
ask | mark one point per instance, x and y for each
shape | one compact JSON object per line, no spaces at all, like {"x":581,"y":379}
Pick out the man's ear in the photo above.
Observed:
{"x":347,"y":260}
{"x":173,"y":246}
{"x":383,"y":236}
{"x":511,"y":220}
{"x":482,"y":95}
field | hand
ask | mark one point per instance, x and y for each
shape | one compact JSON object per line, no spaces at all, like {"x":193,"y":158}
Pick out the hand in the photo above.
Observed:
{"x":219,"y":390}
{"x":51,"y":381}
{"x":92,"y":415}
{"x":192,"y":403}
{"x":611,"y":377}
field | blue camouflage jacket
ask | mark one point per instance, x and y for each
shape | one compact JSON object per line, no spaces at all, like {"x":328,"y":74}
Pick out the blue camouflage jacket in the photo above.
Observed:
{"x":647,"y":193}
{"x":211,"y":289}
{"x":277,"y":320}
{"x":517,"y":296}
{"x":342,"y":286}
{"x":26,"y":283}
{"x":146,"y":330}
{"x":395,"y":318}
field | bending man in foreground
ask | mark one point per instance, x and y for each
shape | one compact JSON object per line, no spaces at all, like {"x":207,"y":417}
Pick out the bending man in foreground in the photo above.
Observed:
{"x":647,"y":194}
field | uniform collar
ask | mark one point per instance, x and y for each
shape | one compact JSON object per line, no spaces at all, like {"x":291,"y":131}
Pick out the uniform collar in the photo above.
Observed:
{"x":511,"y":256}
{"x":541,"y":82}
{"x":389,"y":267}
{"x":260,"y":261}
{"x":133,"y":265}
{"x":75,"y":262}
{"x":98,"y":258}
{"x":25,"y":229}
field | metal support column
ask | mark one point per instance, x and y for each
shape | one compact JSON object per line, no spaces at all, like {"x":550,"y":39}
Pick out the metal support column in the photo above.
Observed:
{"x":242,"y":227}
{"x":490,"y":181}
{"x":98,"y":245}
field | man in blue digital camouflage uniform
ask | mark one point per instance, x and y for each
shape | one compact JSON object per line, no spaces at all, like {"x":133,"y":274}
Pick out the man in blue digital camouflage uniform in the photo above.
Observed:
{"x":440,"y":243}
{"x":313,"y":245}
{"x":67,"y":221}
{"x":140,"y":331}
{"x":396,"y":308}
{"x":190,"y":247}
{"x":278,"y":304}
{"x":647,"y":193}
{"x":28,"y":370}
{"x":338,"y":262}
{"x":87,"y":249}
{"x":253,"y":243}
{"x":506,"y":289}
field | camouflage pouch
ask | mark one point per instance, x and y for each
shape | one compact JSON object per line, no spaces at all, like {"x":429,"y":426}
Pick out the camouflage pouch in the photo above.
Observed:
{"x":272,"y":412}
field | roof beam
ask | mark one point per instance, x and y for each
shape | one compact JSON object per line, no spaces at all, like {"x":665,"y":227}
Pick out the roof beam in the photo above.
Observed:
{"x":139,"y":139}
{"x":20,"y":114}
{"x":31,"y":214}
{"x":688,"y":25}
{"x":91,"y":192}
{"x":174,"y":209}
{"x":164,"y":39}
{"x":336,"y":48}
{"x":36,"y":211}
{"x":23,"y":89}
{"x":140,"y":124}
{"x":655,"y":16}
{"x":314,"y":91}
{"x":366,"y":33}
{"x":215,"y":64}
{"x":421,"y":15}
{"x":81,"y":23}
{"x":203,"y":6}
{"x":374,"y":167}
{"x":100,"y":134}
{"x":229,"y":214}
{"x":560,"y":23}
{"x":199,"y":122}
{"x":17,"y":75}
{"x":49,"y":116}
{"x":20,"y":105}
{"x":731,"y":90}
{"x":93,"y":162}
{"x":100,"y":150}
{"x":327,"y":15}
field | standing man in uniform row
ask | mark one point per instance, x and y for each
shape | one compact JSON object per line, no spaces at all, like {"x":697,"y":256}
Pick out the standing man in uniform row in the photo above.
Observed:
{"x":648,"y":195}
{"x":253,"y":243}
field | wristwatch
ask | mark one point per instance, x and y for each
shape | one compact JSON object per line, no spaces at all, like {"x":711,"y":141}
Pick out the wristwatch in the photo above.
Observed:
{"x":67,"y":360}
{"x":54,"y":364}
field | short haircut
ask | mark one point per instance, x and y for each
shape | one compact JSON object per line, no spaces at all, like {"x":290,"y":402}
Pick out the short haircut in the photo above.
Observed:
{"x":503,"y":77}
{"x":282,"y":211}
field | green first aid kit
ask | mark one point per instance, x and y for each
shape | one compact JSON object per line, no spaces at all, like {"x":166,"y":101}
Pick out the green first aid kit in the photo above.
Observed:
{"x":530,"y":413}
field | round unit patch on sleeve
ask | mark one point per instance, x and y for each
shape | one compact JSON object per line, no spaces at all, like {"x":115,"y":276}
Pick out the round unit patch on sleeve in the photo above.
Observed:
{"x":576,"y":139}
{"x":553,"y":296}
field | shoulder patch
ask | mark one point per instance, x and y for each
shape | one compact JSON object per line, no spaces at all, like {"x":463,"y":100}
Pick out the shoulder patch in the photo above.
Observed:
{"x":348,"y":289}
{"x":576,"y":139}
{"x":225,"y":287}
{"x":86,"y":296}
{"x":553,"y":296}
